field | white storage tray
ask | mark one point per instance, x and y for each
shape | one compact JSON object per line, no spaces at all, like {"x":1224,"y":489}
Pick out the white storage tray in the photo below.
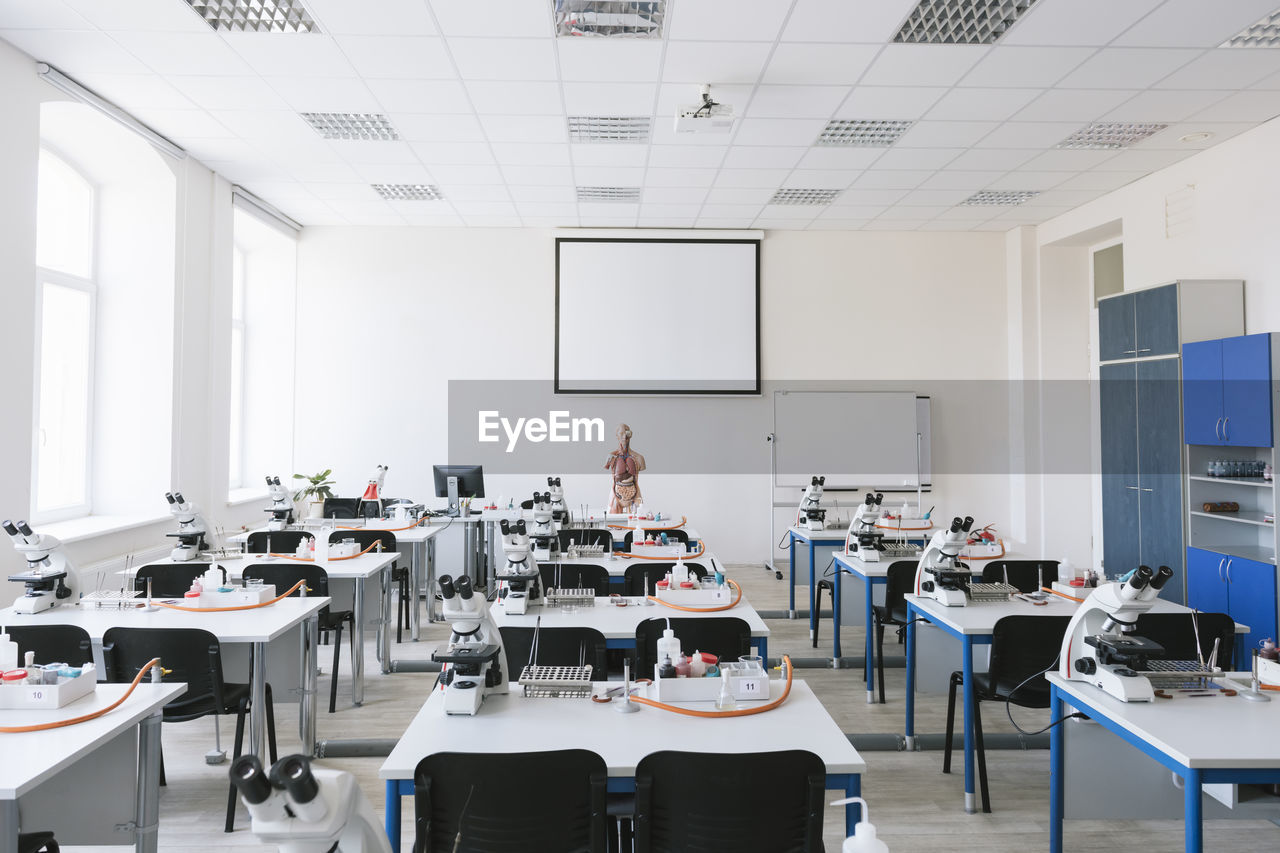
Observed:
{"x":47,"y":696}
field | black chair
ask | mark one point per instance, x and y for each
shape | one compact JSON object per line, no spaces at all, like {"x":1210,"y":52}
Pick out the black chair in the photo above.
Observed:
{"x":275,"y":541}
{"x":692,"y":802}
{"x":53,"y":643}
{"x":586,"y":536}
{"x":399,"y":574}
{"x":900,"y":579}
{"x":284,"y":575}
{"x":194,"y":657}
{"x":168,"y":580}
{"x":575,"y":576}
{"x":341,"y":508}
{"x":673,"y":535}
{"x":1024,"y":574}
{"x":1023,"y":648}
{"x":726,"y":637}
{"x":556,"y":647}
{"x":639,"y":579}
{"x":510,"y":802}
{"x":37,"y":842}
{"x":1177,"y":635}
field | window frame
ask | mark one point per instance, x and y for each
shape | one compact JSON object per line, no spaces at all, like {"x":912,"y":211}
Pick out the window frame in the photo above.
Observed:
{"x":235,"y":474}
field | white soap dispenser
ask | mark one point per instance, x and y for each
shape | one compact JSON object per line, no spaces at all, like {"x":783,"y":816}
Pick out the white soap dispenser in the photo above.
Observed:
{"x":864,"y":838}
{"x":668,"y":645}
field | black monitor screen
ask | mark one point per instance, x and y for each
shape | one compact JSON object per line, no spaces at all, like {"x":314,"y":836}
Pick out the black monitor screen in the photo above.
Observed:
{"x":470,"y":480}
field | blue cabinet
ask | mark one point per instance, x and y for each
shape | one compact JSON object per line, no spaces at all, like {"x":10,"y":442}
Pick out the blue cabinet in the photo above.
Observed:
{"x":1243,"y":589}
{"x":1226,"y":391}
{"x":1202,"y":392}
{"x":1116,"y":329}
{"x":1118,"y":405}
{"x":1138,"y":324}
{"x":1207,"y":581}
{"x":1160,"y":471}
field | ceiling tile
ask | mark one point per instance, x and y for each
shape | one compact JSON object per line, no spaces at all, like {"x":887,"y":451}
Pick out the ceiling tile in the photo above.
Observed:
{"x":714,"y":62}
{"x":778,"y":131}
{"x":1077,"y":21}
{"x":592,"y":60}
{"x":502,"y":59}
{"x":530,"y":153}
{"x":837,"y":210}
{"x":1171,"y":137}
{"x":944,"y":225}
{"x":313,"y":171}
{"x":857,"y":196}
{"x":970,"y":213}
{"x":724,"y":222}
{"x":917,"y":158}
{"x":276,"y":54}
{"x":889,"y":102}
{"x":499,"y":18}
{"x":917,"y":212}
{"x":840,"y":20}
{"x":1224,"y":69}
{"x":138,"y":91}
{"x":1095,"y":180}
{"x":1068,"y":160}
{"x":1194,"y":23}
{"x":993,"y":159}
{"x":416,"y":127}
{"x":1127,"y":67}
{"x":924,"y":64}
{"x":394,"y":173}
{"x":267,"y":124}
{"x":539,"y":175}
{"x":945,"y":134}
{"x":225,"y":149}
{"x":819,"y":63}
{"x":138,"y":15}
{"x":757,"y":196}
{"x":400,"y":57}
{"x":1061,"y":198}
{"x":677,"y":96}
{"x":342,"y":17}
{"x":822,"y":178}
{"x":772,"y":178}
{"x":478,"y":192}
{"x":1259,"y":106}
{"x":519,"y":128}
{"x":960,"y":180}
{"x":226,"y":93}
{"x":324,"y":94}
{"x":1161,"y":106}
{"x":483,"y":208}
{"x":1149,"y":160}
{"x":655,"y":177}
{"x":466,"y":174}
{"x":840,"y":158}
{"x":796,"y":101}
{"x":726,"y":20}
{"x":357,"y":151}
{"x":439,"y":220}
{"x":421,"y":96}
{"x":1025,"y":66}
{"x":1026,"y":179}
{"x":761,"y":157}
{"x":1082,"y":105}
{"x":693,"y":156}
{"x":540,"y":193}
{"x":674,"y":195}
{"x":894,"y":225}
{"x":40,"y":15}
{"x":1029,"y":134}
{"x":435,"y":153}
{"x":176,"y":124}
{"x":609,"y":99}
{"x":608,"y":176}
{"x":891,"y":179}
{"x":78,"y":52}
{"x":644,"y":221}
{"x":547,"y":209}
{"x":516,"y":98}
{"x":608,"y":210}
{"x":670,"y":211}
{"x":979,"y":104}
{"x":343,"y":191}
{"x":283,"y":190}
{"x":787,"y":212}
{"x":587,"y":154}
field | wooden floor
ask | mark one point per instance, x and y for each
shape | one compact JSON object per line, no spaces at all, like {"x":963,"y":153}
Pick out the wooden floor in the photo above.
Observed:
{"x":915,"y":806}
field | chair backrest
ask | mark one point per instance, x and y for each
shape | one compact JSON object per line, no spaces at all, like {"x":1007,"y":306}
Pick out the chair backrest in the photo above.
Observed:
{"x":168,"y":580}
{"x":556,"y":647}
{"x":1021,"y":647}
{"x":341,"y":508}
{"x":575,"y":576}
{"x":280,"y":541}
{"x":53,"y":643}
{"x":365,"y":538}
{"x":1024,"y":574}
{"x":692,"y":801}
{"x":674,"y":535}
{"x":727,"y":637}
{"x":286,"y":574}
{"x":1176,"y":633}
{"x":639,"y":579}
{"x":511,"y":802}
{"x":193,"y":655}
{"x":900,"y":580}
{"x":586,"y":536}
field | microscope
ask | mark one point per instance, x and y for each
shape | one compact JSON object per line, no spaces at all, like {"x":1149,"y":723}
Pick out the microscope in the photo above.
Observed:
{"x":543,"y":532}
{"x":1100,"y":646}
{"x":373,"y":491}
{"x":862,"y":527}
{"x":191,"y":528}
{"x":50,"y":577}
{"x":559,"y":510}
{"x":474,"y":656}
{"x":940,"y":574}
{"x":811,"y":515}
{"x":520,"y":577}
{"x":307,"y":809}
{"x":281,"y":508}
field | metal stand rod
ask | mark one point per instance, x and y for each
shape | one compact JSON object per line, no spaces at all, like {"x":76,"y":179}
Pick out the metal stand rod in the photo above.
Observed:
{"x":147,"y":817}
{"x":357,"y":645}
{"x":310,"y":635}
{"x":415,"y":588}
{"x":258,"y":702}
{"x":384,"y":619}
{"x":356,"y":748}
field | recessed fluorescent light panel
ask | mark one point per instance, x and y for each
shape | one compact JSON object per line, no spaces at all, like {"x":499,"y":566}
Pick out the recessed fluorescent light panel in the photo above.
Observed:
{"x":862,"y":133}
{"x":352,"y":125}
{"x":961,"y":21}
{"x":609,"y":128}
{"x":408,"y":192}
{"x":1000,"y":197}
{"x":1111,"y":135}
{"x":1265,"y":33}
{"x":804,"y":196}
{"x":634,"y":19}
{"x":626,"y":194}
{"x":255,"y":16}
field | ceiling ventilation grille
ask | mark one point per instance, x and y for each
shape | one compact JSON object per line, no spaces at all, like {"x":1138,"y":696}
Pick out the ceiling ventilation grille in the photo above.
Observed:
{"x":352,"y":125}
{"x":961,"y":21}
{"x":1265,"y":33}
{"x":634,"y":19}
{"x":623,"y":194}
{"x":408,"y":192}
{"x":609,"y":128}
{"x":999,"y":197}
{"x":804,"y":196}
{"x":1110,"y":135}
{"x":862,"y":133}
{"x":255,"y":16}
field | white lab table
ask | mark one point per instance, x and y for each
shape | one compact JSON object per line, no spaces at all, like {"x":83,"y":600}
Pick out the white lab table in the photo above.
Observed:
{"x":33,"y":759}
{"x":512,"y":723}
{"x":1214,"y":740}
{"x":616,"y":565}
{"x":255,"y":628}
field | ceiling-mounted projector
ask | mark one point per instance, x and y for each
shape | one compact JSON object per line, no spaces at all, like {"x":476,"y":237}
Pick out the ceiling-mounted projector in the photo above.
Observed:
{"x":707,"y":117}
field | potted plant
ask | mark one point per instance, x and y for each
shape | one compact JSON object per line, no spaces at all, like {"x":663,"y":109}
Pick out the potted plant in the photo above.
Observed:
{"x":315,"y":492}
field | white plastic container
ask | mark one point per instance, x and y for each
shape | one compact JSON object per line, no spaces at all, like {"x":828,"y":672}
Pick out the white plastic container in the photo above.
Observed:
{"x":8,"y":652}
{"x":668,"y":645}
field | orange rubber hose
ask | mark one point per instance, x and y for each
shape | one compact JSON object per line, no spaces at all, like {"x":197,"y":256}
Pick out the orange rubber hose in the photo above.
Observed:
{"x":737,"y":712}
{"x":228,"y":609}
{"x":426,"y":519}
{"x":701,"y":609}
{"x":41,"y":727}
{"x":992,"y":557}
{"x":684,"y":519}
{"x":664,"y":559}
{"x":1053,"y":591}
{"x":327,"y":559}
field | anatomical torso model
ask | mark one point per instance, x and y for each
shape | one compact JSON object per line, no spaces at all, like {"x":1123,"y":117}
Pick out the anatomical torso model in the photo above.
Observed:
{"x":623,"y":465}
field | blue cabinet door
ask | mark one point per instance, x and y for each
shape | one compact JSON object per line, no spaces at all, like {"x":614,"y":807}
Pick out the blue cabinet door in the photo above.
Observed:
{"x":1121,"y":546}
{"x":1116,"y":328}
{"x":1160,"y":471}
{"x":1206,"y":581}
{"x":1156,"y":321}
{"x":1252,"y":596}
{"x":1246,"y":390}
{"x":1202,"y":392}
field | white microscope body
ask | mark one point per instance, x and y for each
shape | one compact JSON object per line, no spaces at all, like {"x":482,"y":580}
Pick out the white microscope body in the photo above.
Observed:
{"x":474,"y":654}
{"x":373,"y":491}
{"x":543,"y":531}
{"x":1100,"y":646}
{"x":50,"y":577}
{"x":811,"y":515}
{"x":281,"y":508}
{"x":862,"y":529}
{"x":559,"y":509}
{"x":308,"y":810}
{"x":191,"y":528}
{"x":520,"y":577}
{"x":939,"y":574}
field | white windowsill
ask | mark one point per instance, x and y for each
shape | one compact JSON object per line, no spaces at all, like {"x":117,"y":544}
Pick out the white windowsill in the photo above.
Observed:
{"x":78,"y":529}
{"x":236,"y":497}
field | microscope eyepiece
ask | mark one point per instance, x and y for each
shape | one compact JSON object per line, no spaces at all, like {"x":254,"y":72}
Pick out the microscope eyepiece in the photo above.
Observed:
{"x":822,"y":481}
{"x":269,"y":483}
{"x":293,"y":774}
{"x":9,"y":528}
{"x":178,"y":498}
{"x":463,"y":586}
{"x":1140,"y":578}
{"x":25,"y":529}
{"x":957,"y":524}
{"x":879,"y":498}
{"x":504,"y":526}
{"x":446,"y":587}
{"x":968,"y":523}
{"x":169,"y":497}
{"x":520,"y":527}
{"x":250,"y":781}
{"x":1161,"y":577}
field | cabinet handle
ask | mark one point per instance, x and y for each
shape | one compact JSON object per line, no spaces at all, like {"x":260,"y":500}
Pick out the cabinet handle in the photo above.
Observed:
{"x":1225,"y":435}
{"x":1134,"y":488}
{"x":1146,"y":490}
{"x":1229,"y":562}
{"x":1130,"y":351}
{"x":1217,"y":429}
{"x":1220,"y":562}
{"x":1145,"y":349}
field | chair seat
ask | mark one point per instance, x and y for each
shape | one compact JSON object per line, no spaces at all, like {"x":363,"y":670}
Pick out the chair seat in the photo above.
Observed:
{"x":33,"y":842}
{"x":332,"y":619}
{"x":1034,"y":694}
{"x":190,"y":708}
{"x":897,"y":616}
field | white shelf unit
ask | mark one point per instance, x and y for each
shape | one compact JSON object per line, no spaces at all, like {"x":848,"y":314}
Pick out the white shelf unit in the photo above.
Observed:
{"x":1239,"y":534}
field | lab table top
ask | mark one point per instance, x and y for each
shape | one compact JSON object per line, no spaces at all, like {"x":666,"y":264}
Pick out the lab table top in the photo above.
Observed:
{"x":619,"y":622}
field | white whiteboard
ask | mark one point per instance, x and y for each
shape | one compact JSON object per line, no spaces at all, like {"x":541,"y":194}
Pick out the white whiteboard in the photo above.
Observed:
{"x":657,"y":316}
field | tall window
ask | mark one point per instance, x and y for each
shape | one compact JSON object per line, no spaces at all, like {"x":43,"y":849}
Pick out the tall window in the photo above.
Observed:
{"x":238,"y":261}
{"x":67,"y":303}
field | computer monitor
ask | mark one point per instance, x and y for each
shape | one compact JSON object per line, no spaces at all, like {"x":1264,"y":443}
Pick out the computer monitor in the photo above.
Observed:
{"x":455,"y":481}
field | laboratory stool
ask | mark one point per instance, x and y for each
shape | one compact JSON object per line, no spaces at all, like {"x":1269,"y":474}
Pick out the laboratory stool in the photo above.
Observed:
{"x":37,"y":842}
{"x":830,"y":586}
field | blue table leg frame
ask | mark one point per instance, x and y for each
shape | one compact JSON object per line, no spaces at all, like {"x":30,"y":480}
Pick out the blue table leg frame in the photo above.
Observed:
{"x":868,"y":587}
{"x":1194,"y":779}
{"x":967,"y":641}
{"x":848,"y":783}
